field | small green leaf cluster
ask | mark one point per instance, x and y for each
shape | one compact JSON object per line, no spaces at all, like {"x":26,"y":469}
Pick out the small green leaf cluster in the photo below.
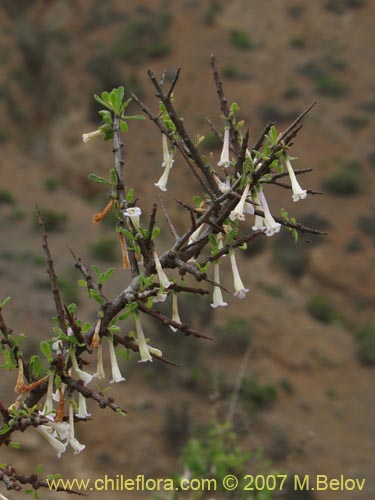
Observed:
{"x":115,"y":105}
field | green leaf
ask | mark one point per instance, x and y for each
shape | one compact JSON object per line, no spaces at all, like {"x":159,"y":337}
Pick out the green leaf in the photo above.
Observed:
{"x":107,"y":275}
{"x":100,"y":100}
{"x":72,"y":308}
{"x":15,"y":445}
{"x":94,"y":295}
{"x":120,"y":91}
{"x":234,"y":108}
{"x":130,"y":195}
{"x":39,"y":469}
{"x":135,"y":117}
{"x":4,"y":429}
{"x":106,"y":116}
{"x":155,"y":232}
{"x":123,"y":126}
{"x":97,"y":270}
{"x":82,"y":283}
{"x":4,"y":302}
{"x":45,"y":347}
{"x":35,"y":365}
{"x":197,"y":201}
{"x":97,"y":179}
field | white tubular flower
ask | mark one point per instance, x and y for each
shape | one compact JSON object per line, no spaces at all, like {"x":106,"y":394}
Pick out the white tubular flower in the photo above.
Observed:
{"x":272,"y":227}
{"x":155,"y":351}
{"x":298,"y":192}
{"x":48,"y":405}
{"x":116,"y":374}
{"x":82,"y":407}
{"x":195,"y":236}
{"x":163,"y":278}
{"x":217,"y":295}
{"x":90,"y":136}
{"x":162,"y":182}
{"x":49,"y":435}
{"x":238,"y":212}
{"x":248,"y":207}
{"x":239,"y":290}
{"x":56,"y":394}
{"x":100,"y":374}
{"x":175,"y":313}
{"x":224,"y":158}
{"x":166,"y":154}
{"x":167,"y":164}
{"x":74,"y":443}
{"x":224,"y":186}
{"x":84,"y":376}
{"x":61,"y":428}
{"x":133,"y":213}
{"x":160,"y":297}
{"x":141,"y":341}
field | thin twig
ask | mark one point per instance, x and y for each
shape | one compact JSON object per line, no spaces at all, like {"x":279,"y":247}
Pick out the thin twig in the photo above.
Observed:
{"x":52,"y":275}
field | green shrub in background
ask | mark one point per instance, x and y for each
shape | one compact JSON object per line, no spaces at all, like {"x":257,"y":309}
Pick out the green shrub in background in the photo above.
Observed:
{"x":235,"y":335}
{"x":215,"y":453}
{"x":6,"y":197}
{"x":177,"y":424}
{"x":366,"y":224}
{"x":105,"y":250}
{"x":145,"y":38}
{"x":330,"y":86}
{"x":211,"y":142}
{"x":344,"y":181}
{"x":354,"y":245}
{"x":321,"y":309}
{"x":53,"y":220}
{"x":255,"y":396}
{"x":291,"y":258}
{"x":365,"y":343}
{"x":240,"y":40}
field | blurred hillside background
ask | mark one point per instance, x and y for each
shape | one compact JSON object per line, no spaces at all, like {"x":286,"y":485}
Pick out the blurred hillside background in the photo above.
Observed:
{"x":306,"y":403}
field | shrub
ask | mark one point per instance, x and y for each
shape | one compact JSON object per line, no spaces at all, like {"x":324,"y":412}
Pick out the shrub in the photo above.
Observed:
{"x":291,"y":93}
{"x":53,"y":221}
{"x":321,"y":309}
{"x":230,"y":71}
{"x":366,"y":224}
{"x":354,"y":245}
{"x":271,"y":113}
{"x":339,"y":6}
{"x":330,"y":86}
{"x":254,"y":247}
{"x":354,"y":123}
{"x":240,"y":39}
{"x":292,"y":258}
{"x":315,"y":221}
{"x":235,"y":334}
{"x":143,"y":38}
{"x":6,"y":197}
{"x":211,"y":142}
{"x":256,"y":396}
{"x":365,"y":344}
{"x":344,"y":181}
{"x":104,"y":68}
{"x":215,"y":453}
{"x":177,"y":423}
{"x":52,"y":184}
{"x":69,"y":288}
{"x":298,"y":42}
{"x":105,"y":250}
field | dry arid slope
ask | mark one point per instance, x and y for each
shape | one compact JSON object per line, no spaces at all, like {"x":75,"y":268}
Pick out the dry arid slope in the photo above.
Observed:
{"x":306,"y":301}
